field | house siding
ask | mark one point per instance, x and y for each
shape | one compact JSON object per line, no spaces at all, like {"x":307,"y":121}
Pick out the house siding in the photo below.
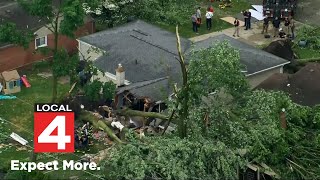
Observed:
{"x":89,"y":52}
{"x":256,"y":79}
{"x":8,"y":90}
{"x":13,"y":57}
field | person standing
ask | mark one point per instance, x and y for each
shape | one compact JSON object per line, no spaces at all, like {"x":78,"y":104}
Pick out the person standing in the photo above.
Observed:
{"x":292,"y":28}
{"x":236,"y":24}
{"x":211,"y":9}
{"x":248,"y":20}
{"x":287,"y":25}
{"x":276,"y":25}
{"x":198,"y":14}
{"x":194,"y":23}
{"x":209,"y":15}
{"x":265,"y":25}
{"x":244,"y":13}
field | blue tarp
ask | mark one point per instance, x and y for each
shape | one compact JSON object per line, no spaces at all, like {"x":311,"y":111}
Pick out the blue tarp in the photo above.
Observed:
{"x":3,"y":97}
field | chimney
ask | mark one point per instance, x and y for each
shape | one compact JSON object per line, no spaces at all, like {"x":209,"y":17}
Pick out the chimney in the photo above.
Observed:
{"x":120,"y":76}
{"x":283,"y":120}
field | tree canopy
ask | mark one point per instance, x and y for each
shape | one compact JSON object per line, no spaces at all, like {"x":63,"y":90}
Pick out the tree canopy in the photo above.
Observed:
{"x":226,"y":130}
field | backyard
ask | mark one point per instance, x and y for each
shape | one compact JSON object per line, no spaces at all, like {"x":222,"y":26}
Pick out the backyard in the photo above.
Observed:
{"x":17,"y":116}
{"x":168,"y":17}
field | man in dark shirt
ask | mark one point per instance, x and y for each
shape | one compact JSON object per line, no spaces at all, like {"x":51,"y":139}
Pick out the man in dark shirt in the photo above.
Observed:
{"x":276,"y":25}
{"x":248,"y":20}
{"x":244,"y":13}
{"x":265,"y":25}
{"x":194,"y":23}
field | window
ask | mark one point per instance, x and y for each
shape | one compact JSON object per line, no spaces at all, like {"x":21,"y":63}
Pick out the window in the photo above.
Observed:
{"x":10,"y":85}
{"x":41,"y":42}
{"x":16,"y":83}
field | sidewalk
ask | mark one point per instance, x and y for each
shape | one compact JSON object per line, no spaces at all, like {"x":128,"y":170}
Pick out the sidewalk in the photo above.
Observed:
{"x":252,"y":36}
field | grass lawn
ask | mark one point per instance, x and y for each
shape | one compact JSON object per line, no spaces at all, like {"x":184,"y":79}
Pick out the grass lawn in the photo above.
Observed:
{"x":185,"y":30}
{"x":20,"y":112}
{"x":305,"y":53}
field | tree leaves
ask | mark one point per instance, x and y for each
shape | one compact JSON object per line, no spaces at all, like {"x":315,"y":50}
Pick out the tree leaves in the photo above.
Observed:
{"x":10,"y":34}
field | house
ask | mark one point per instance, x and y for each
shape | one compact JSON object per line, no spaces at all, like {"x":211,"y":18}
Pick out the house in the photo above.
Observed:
{"x":13,"y":57}
{"x":147,"y":52}
{"x":303,"y":86}
{"x":258,"y":64}
{"x":10,"y":81}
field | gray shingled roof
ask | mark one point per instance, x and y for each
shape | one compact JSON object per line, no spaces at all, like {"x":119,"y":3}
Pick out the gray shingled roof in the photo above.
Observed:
{"x":145,"y":51}
{"x":157,"y":89}
{"x":252,"y":58}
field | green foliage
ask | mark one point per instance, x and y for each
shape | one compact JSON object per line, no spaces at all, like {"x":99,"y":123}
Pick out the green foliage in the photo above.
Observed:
{"x":10,"y":34}
{"x":64,"y":64}
{"x":92,"y":90}
{"x":73,"y":17}
{"x":216,"y":69}
{"x":171,"y":12}
{"x":96,"y":90}
{"x":311,"y":35}
{"x":23,"y":175}
{"x":108,"y":90}
{"x":40,"y":8}
{"x":173,"y":158}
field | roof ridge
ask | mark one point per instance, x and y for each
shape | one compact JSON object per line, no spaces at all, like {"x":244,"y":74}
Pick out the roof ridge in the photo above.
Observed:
{"x":155,"y":45}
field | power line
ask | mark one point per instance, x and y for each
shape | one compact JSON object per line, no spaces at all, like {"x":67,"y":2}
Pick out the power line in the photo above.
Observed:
{"x":55,"y":159}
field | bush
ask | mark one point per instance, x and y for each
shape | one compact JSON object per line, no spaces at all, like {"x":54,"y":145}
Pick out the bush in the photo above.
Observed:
{"x":309,"y":34}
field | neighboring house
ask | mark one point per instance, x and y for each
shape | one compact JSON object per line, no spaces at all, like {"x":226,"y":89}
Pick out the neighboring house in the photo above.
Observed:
{"x":302,"y":86}
{"x":259,"y":65}
{"x":13,"y":56}
{"x":10,"y":81}
{"x":147,"y":52}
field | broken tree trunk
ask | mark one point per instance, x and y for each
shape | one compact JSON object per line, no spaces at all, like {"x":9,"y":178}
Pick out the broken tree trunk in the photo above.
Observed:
{"x":129,"y":112}
{"x":184,"y":96}
{"x":99,"y":124}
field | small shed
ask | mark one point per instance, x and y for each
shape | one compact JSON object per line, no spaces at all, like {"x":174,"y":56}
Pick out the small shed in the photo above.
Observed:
{"x":10,"y":81}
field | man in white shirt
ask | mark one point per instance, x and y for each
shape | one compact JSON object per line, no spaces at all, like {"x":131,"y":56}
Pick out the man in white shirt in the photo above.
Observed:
{"x":209,"y":19}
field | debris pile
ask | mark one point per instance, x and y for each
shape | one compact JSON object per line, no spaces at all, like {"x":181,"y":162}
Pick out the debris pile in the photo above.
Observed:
{"x":281,"y":48}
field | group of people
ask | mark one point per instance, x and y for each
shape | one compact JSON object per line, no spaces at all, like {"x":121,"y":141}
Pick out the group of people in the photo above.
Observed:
{"x":197,"y":20}
{"x":247,"y":22}
{"x":82,"y":136}
{"x":278,"y":30}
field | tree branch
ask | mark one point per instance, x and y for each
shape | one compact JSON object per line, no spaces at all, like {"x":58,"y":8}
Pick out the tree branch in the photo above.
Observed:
{"x":129,"y":112}
{"x":99,"y":124}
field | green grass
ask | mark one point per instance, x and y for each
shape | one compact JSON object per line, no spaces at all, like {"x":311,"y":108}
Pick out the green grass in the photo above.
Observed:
{"x":20,"y":113}
{"x":306,"y":53}
{"x":185,"y":30}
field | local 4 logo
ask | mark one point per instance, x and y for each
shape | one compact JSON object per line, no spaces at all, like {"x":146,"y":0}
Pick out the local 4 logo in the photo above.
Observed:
{"x":53,"y":128}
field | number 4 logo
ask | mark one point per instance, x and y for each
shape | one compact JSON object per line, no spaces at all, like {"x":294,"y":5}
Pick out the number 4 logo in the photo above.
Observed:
{"x":53,"y":132}
{"x":61,"y":139}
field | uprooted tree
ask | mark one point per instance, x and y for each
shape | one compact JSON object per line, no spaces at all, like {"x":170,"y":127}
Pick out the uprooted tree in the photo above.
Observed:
{"x":226,"y":126}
